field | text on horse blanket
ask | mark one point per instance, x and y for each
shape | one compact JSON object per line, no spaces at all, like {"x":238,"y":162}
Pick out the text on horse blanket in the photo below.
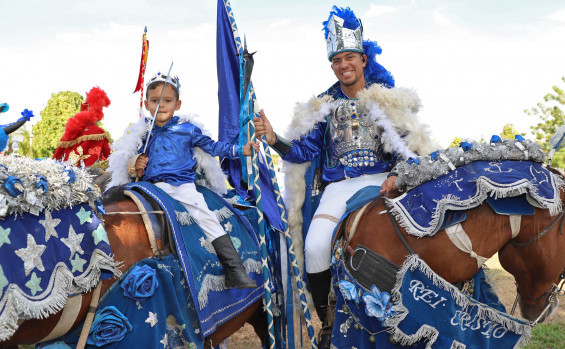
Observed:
{"x":423,"y":310}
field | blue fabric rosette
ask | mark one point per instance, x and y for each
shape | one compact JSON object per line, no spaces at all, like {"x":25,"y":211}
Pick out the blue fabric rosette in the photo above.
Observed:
{"x":13,"y":186}
{"x":140,"y":283}
{"x":109,"y":326}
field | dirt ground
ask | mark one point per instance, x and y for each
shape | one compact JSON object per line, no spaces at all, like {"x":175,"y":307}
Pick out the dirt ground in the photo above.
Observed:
{"x":503,"y":281}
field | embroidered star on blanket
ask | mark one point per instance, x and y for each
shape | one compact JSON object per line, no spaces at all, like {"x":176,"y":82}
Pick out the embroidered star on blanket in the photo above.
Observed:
{"x":31,"y":255}
{"x":4,"y":236}
{"x":84,"y":216}
{"x":73,"y":241}
{"x":50,"y":223}
{"x":33,"y":284}
{"x":78,"y":263}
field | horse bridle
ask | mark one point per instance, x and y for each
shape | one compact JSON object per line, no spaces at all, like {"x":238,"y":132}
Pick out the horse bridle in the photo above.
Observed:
{"x":555,"y":289}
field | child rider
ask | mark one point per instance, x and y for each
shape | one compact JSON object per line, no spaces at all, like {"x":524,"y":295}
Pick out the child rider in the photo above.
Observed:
{"x":169,"y":162}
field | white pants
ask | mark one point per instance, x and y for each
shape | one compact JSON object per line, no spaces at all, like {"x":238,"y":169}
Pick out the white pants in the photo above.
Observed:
{"x":195,"y":205}
{"x":318,"y":241}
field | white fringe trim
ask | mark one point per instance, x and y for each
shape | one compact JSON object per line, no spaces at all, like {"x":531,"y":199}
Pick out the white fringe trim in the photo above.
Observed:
{"x":218,"y":282}
{"x":483,"y":312}
{"x":485,"y":188}
{"x":184,"y":218}
{"x":18,"y":306}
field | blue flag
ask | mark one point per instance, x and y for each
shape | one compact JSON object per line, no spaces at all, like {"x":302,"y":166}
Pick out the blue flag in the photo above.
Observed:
{"x":228,"y":47}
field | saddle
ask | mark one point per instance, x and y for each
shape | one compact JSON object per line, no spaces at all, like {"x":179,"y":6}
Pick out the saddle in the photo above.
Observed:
{"x":157,"y":226}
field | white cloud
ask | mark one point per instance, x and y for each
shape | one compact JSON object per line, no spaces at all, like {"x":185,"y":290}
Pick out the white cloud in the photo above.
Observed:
{"x":283,"y":23}
{"x":441,"y":19}
{"x":558,"y":16}
{"x":378,"y":10}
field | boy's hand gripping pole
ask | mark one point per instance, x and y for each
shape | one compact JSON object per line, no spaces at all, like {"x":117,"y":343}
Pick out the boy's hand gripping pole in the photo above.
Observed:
{"x":157,"y":110}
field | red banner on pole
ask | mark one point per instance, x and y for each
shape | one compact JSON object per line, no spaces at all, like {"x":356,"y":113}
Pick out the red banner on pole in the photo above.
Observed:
{"x":142,"y":66}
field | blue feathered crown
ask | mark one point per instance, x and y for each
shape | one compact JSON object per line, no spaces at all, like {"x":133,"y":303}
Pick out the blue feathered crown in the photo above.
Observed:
{"x":344,"y":32}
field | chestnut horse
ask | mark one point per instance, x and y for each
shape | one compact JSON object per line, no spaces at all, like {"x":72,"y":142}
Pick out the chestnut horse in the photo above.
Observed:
{"x":535,"y":256}
{"x":129,"y":242}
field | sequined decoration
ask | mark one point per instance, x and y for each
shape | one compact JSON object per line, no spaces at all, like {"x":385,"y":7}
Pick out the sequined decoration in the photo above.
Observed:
{"x":152,"y":319}
{"x":78,"y":263}
{"x":31,"y":255}
{"x":5,"y":236}
{"x":73,"y":241}
{"x":49,"y":223}
{"x":99,"y":234}
{"x":3,"y":281}
{"x":33,"y":284}
{"x":84,"y":216}
{"x":344,"y":327}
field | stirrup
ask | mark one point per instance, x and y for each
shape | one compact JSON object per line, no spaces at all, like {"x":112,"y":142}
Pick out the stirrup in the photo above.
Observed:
{"x":325,"y":337}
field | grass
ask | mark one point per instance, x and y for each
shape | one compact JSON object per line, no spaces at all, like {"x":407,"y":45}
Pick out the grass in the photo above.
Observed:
{"x":547,"y":336}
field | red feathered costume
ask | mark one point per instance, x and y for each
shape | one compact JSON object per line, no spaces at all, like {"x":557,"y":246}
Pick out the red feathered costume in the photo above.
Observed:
{"x":83,"y":142}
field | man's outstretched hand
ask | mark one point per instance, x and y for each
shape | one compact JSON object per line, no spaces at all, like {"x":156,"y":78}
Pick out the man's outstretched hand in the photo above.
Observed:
{"x":263,"y":127}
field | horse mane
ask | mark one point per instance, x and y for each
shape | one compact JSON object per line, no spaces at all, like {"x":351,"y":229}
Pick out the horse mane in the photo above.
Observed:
{"x":113,"y":194}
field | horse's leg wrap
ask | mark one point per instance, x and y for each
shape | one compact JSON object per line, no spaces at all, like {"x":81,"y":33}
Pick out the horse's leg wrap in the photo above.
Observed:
{"x":235,"y":271}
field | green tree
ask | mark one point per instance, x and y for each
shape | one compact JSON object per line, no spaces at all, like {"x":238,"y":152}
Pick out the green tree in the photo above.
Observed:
{"x":49,"y":130}
{"x":25,"y":145}
{"x":509,"y":132}
{"x":551,"y":113}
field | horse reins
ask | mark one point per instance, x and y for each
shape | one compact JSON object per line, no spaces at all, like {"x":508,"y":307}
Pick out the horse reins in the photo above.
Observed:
{"x":398,"y":233}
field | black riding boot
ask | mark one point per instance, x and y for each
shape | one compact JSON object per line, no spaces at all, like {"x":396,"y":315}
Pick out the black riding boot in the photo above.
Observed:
{"x":235,"y":272}
{"x":320,"y":287}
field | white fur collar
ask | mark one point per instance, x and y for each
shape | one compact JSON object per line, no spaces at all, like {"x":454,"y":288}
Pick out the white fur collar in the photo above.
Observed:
{"x":128,"y":145}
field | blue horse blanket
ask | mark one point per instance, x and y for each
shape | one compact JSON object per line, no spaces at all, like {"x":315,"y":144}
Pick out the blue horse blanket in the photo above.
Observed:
{"x":214,"y":304}
{"x":45,"y":257}
{"x":164,"y":316}
{"x":423,"y":311}
{"x":422,"y":211}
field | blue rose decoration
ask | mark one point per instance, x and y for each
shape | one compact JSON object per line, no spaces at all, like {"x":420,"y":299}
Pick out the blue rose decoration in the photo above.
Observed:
{"x":519,"y":138}
{"x":466,"y":146}
{"x":71,"y":174}
{"x":412,"y":160}
{"x":13,"y":186}
{"x":348,"y":291}
{"x":42,"y":183}
{"x":434,"y":155}
{"x":109,"y":326}
{"x":495,"y":139}
{"x":378,"y":304}
{"x":140,"y":283}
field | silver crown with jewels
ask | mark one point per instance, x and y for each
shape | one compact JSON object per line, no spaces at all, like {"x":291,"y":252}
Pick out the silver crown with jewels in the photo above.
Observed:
{"x":171,"y":80}
{"x":342,"y":39}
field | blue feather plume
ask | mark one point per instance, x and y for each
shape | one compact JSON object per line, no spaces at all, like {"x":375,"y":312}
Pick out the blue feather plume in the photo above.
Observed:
{"x":374,"y":71}
{"x":349,"y":18}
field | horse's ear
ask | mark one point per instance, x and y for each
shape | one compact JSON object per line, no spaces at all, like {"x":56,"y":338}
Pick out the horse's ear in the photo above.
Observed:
{"x":113,"y":194}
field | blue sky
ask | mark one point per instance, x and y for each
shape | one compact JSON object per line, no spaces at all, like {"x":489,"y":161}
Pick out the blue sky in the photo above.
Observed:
{"x":476,"y":65}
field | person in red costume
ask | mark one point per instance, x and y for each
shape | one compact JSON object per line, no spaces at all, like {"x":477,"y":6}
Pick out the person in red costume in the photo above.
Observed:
{"x":84,"y":142}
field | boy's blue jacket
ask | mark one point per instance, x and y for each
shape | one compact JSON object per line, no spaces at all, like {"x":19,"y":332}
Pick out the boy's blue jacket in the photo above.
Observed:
{"x":171,"y":152}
